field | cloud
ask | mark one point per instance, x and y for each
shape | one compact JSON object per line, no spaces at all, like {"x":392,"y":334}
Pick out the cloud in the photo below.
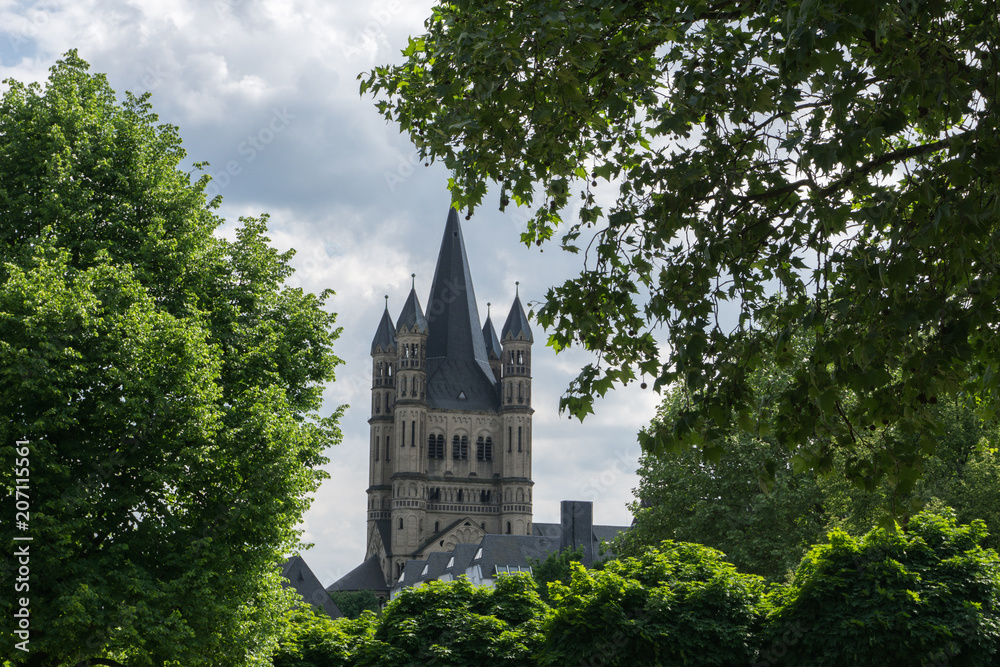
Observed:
{"x":267,"y":92}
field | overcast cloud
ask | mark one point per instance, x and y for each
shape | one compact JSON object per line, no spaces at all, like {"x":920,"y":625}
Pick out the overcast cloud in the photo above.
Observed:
{"x":267,"y":93}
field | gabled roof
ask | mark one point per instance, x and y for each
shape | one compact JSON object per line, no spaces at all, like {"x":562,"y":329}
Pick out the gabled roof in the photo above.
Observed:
{"x":463,"y":554}
{"x":365,"y":577}
{"x":493,"y":349}
{"x":297,"y":574}
{"x":412,"y":315}
{"x":434,"y":568}
{"x":516,"y":325}
{"x":512,"y":551}
{"x":457,"y":361}
{"x":385,"y":336}
{"x":384,"y":528}
{"x":411,"y":573}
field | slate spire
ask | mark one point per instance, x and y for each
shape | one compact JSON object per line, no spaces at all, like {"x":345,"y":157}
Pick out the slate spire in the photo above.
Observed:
{"x":459,"y":375}
{"x":493,"y":349}
{"x":517,"y":322}
{"x":451,"y":309}
{"x":385,"y":336}
{"x":412,"y":315}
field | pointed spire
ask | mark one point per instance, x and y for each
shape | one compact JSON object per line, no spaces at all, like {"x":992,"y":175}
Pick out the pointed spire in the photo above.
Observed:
{"x":517,"y":322}
{"x":451,"y":308}
{"x":493,"y":349}
{"x":385,"y":337}
{"x":412,"y":315}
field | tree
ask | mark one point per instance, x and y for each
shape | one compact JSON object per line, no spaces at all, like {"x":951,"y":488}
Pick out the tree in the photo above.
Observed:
{"x":557,"y":567}
{"x":165,"y":385}
{"x":675,"y":604}
{"x":313,"y":639}
{"x":753,"y":505}
{"x":352,"y":603}
{"x":457,"y":623}
{"x":928,"y":596}
{"x":846,"y":155}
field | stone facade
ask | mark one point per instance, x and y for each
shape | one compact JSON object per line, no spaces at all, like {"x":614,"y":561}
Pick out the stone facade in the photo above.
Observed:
{"x":450,"y":448}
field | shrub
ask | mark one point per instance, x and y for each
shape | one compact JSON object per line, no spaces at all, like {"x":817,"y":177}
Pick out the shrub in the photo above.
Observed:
{"x":926,"y":596}
{"x":679,"y":604}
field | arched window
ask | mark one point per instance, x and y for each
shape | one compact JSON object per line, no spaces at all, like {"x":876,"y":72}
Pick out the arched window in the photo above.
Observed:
{"x":387,"y":449}
{"x":488,"y":450}
{"x":465,"y":447}
{"x":508,"y":527}
{"x":520,"y":392}
{"x":437,"y":526}
{"x":456,"y":447}
{"x":510,"y":437}
{"x":376,"y":448}
{"x":459,"y":495}
{"x":518,"y":438}
{"x":401,"y":524}
{"x":480,"y":449}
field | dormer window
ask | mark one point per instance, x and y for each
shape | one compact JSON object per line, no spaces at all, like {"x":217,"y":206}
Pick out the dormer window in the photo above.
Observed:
{"x":461,"y":396}
{"x":479,"y":554}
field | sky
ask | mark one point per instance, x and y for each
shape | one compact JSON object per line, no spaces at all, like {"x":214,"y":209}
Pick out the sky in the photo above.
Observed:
{"x":267,"y":93}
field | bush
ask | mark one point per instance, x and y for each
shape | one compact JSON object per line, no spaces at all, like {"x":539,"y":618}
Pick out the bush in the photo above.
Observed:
{"x":679,"y":604}
{"x":927,"y":596}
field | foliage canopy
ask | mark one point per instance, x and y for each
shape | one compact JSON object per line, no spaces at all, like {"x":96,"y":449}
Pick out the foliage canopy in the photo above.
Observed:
{"x":844,"y":154}
{"x":165,"y":380}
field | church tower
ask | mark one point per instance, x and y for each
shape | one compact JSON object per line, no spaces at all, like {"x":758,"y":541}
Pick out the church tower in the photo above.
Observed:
{"x":450,"y":455}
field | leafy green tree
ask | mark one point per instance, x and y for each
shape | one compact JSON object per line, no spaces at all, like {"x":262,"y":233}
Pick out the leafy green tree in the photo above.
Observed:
{"x":353,"y":603}
{"x":927,"y":596}
{"x":676,"y":604}
{"x":844,"y":154}
{"x":556,"y":567}
{"x":166,"y":384}
{"x":755,"y":502}
{"x":312,"y":639}
{"x":458,"y":624}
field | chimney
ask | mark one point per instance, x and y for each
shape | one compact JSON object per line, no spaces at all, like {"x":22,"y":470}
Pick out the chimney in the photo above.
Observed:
{"x":578,"y":528}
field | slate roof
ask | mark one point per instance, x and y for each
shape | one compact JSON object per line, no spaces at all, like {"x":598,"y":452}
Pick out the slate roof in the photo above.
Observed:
{"x":435,"y":565}
{"x":493,"y":349}
{"x":365,"y":577}
{"x":296,"y":573}
{"x":458,"y":369}
{"x":554,"y":531}
{"x":517,"y":323}
{"x":512,"y":551}
{"x":384,"y":528}
{"x":411,"y":314}
{"x":463,"y":554}
{"x":385,"y":336}
{"x":411,"y":573}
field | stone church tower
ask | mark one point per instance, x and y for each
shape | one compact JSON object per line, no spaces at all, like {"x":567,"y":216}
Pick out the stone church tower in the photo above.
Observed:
{"x":450,"y":453}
